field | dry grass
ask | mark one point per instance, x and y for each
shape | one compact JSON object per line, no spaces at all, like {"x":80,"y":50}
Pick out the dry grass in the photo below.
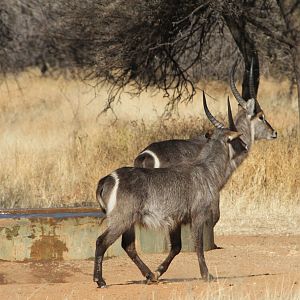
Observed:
{"x":54,"y":148}
{"x":225,"y":291}
{"x":227,"y":294}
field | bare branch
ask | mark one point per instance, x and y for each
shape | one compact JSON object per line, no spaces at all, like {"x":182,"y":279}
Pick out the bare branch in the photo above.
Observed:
{"x":260,"y":25}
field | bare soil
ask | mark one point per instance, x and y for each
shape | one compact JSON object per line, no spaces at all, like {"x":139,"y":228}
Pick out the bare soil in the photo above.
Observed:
{"x":248,"y":267}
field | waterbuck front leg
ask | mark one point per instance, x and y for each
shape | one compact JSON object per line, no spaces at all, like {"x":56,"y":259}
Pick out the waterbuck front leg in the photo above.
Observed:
{"x":103,"y":242}
{"x":175,"y":240}
{"x":197,"y":230}
{"x":208,"y":234}
{"x":128,"y":244}
{"x":215,"y":208}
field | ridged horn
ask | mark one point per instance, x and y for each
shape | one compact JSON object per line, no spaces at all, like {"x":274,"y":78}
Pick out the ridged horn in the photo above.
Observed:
{"x":234,"y":90}
{"x":251,"y":82}
{"x":252,"y":89}
{"x":257,"y":107}
{"x":230,"y":118}
{"x":210,"y":117}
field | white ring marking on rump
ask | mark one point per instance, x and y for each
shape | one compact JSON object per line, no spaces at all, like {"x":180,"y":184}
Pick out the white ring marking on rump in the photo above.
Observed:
{"x":156,"y":160}
{"x":113,"y":195}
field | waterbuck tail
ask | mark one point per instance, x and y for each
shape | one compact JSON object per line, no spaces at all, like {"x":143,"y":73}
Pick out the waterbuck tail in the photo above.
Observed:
{"x":99,"y":194}
{"x":106,"y":192}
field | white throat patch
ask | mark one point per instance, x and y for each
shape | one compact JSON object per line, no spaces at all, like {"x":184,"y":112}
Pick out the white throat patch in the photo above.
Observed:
{"x":231,"y":160}
{"x":231,"y":152}
{"x":252,"y":131}
{"x":156,"y":160}
{"x":113,"y":195}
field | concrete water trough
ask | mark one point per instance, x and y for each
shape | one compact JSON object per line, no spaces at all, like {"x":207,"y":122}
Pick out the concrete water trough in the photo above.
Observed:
{"x":66,"y":234}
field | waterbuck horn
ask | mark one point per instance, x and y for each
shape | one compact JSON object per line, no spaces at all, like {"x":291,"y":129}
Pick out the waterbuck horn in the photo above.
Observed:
{"x":210,"y":117}
{"x":234,"y":90}
{"x":252,"y":89}
{"x":251,"y":82}
{"x":230,"y":118}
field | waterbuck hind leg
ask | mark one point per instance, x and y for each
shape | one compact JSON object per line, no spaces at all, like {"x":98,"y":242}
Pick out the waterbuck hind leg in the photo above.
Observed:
{"x":128,"y":244}
{"x":197,"y":230}
{"x":208,"y":231}
{"x":175,"y":240}
{"x":208,"y":235}
{"x":103,"y":242}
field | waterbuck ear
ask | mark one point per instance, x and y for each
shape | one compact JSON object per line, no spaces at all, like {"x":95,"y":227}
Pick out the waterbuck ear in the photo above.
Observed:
{"x":240,"y":108}
{"x":231,"y":135}
{"x":208,"y":134}
{"x":251,"y":107}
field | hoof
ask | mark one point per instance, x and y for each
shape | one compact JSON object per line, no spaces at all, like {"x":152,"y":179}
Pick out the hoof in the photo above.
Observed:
{"x":151,"y":278}
{"x":157,"y":274}
{"x":101,"y":284}
{"x":208,"y":278}
{"x":216,"y":247}
{"x":102,"y":287}
{"x":151,"y":281}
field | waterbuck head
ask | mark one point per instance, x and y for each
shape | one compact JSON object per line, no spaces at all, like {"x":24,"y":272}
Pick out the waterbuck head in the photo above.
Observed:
{"x":229,"y":136}
{"x":260,"y":127}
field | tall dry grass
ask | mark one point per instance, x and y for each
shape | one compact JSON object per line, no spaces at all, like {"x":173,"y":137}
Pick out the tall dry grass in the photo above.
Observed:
{"x":55,"y":147}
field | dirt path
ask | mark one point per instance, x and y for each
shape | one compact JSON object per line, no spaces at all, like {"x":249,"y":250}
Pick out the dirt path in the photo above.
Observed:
{"x":247,"y":267}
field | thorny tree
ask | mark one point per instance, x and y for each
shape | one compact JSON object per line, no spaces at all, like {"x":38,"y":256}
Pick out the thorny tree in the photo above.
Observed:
{"x":161,"y":43}
{"x":164,"y":44}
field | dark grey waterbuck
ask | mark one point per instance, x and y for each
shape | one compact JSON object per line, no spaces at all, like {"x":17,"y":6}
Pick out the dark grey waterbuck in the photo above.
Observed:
{"x":166,"y":198}
{"x":250,"y":121}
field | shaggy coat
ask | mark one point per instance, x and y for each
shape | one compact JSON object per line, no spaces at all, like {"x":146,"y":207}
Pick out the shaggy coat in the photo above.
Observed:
{"x":165,"y":198}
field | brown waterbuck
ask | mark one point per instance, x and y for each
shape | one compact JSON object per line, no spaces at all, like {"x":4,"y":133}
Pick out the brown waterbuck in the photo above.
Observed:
{"x":250,"y":121}
{"x":166,"y":198}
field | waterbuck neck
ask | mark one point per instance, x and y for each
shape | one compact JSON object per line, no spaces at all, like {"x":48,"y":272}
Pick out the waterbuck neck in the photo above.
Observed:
{"x":243,"y":125}
{"x":214,"y":159}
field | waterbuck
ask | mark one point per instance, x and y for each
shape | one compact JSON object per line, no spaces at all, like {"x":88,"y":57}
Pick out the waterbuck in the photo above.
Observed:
{"x":250,"y":121}
{"x":166,"y":198}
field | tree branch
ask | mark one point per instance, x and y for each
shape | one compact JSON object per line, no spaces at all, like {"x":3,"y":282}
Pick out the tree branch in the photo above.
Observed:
{"x":197,"y":9}
{"x":259,"y":24}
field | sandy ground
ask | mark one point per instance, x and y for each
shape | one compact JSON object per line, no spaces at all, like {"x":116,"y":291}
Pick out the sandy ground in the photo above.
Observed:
{"x":248,"y":267}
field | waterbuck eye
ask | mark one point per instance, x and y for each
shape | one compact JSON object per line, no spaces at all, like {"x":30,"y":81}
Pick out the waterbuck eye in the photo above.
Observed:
{"x":262,"y":117}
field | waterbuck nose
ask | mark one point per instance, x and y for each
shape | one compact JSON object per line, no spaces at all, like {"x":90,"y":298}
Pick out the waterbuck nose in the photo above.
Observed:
{"x":274,"y":135}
